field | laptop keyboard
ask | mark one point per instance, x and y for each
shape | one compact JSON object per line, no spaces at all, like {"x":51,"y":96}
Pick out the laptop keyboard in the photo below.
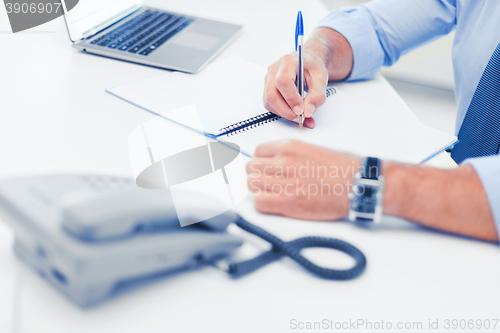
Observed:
{"x":144,"y":33}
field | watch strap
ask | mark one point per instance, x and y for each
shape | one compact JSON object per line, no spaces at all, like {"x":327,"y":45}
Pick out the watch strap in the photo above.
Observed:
{"x":366,"y":207}
{"x":370,"y":168}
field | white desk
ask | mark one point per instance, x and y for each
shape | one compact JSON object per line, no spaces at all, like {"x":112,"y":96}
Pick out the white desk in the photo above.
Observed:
{"x":56,"y":117}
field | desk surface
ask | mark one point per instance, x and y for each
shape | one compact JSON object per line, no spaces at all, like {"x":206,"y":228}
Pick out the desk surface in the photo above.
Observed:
{"x":56,"y":117}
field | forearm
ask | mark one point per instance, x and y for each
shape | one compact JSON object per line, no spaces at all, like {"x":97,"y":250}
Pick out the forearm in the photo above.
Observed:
{"x":333,"y":50}
{"x":451,"y":200}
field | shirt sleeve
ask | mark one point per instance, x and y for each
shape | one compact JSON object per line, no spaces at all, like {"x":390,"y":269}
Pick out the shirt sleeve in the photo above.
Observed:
{"x":488,"y":170}
{"x":383,"y":30}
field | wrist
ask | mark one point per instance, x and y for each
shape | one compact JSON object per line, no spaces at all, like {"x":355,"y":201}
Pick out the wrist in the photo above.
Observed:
{"x":333,"y":50}
{"x":394,"y":188}
{"x":317,"y":48}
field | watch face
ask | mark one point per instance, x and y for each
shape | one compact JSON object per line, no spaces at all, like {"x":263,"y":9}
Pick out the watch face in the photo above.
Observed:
{"x":365,"y":199}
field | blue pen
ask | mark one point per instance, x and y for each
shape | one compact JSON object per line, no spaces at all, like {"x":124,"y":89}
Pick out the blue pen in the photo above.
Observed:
{"x":299,"y":40}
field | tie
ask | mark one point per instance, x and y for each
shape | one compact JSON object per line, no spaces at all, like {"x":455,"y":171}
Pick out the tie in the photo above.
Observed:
{"x":479,"y":134}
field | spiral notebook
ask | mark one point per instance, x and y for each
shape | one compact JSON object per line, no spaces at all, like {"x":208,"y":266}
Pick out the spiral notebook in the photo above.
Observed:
{"x":227,"y":96}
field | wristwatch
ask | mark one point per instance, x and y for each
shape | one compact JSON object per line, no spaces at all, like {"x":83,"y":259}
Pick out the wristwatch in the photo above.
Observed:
{"x":367,"y":192}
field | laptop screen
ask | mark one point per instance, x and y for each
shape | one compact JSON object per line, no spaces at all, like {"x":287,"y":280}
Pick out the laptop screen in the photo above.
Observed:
{"x":90,"y":16}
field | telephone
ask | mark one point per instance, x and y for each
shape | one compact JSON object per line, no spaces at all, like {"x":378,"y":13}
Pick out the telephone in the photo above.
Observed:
{"x":94,"y":236}
{"x":90,"y":235}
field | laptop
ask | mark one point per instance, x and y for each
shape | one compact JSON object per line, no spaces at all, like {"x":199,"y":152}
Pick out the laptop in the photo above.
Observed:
{"x":127,"y":30}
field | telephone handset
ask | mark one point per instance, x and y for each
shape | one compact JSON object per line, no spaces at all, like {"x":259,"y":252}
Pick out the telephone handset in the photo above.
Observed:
{"x":105,"y":215}
{"x":92,"y":235}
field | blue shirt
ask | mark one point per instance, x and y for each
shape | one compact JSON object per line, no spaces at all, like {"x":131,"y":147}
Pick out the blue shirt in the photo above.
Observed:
{"x":383,"y":30}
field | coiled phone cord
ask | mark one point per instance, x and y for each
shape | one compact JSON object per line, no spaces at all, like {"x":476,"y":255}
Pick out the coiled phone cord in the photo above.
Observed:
{"x":292,"y":249}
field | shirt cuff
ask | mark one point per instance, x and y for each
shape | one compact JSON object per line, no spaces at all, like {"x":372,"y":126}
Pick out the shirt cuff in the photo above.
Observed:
{"x":357,"y":26}
{"x":488,"y":170}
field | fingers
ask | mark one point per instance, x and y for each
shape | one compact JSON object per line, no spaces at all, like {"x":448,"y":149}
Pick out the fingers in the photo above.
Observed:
{"x":317,"y":80}
{"x":285,"y":82}
{"x":309,"y":123}
{"x":270,"y":149}
{"x":280,"y":93}
{"x":292,"y":197}
{"x":269,"y":203}
{"x":274,"y":185}
{"x":274,"y":102}
{"x":261,"y":166}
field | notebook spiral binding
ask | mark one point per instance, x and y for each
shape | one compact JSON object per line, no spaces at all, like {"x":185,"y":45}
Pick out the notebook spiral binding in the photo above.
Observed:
{"x":330,"y":92}
{"x":258,"y":120}
{"x":249,"y":123}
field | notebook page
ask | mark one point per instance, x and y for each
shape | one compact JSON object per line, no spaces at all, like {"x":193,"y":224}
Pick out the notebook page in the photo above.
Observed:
{"x":345,"y":124}
{"x":224,"y":93}
{"x":230,"y":91}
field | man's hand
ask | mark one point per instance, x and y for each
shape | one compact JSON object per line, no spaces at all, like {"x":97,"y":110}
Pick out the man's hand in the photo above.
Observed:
{"x":296,"y":179}
{"x":299,"y":180}
{"x":327,"y":56}
{"x":280,"y":92}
